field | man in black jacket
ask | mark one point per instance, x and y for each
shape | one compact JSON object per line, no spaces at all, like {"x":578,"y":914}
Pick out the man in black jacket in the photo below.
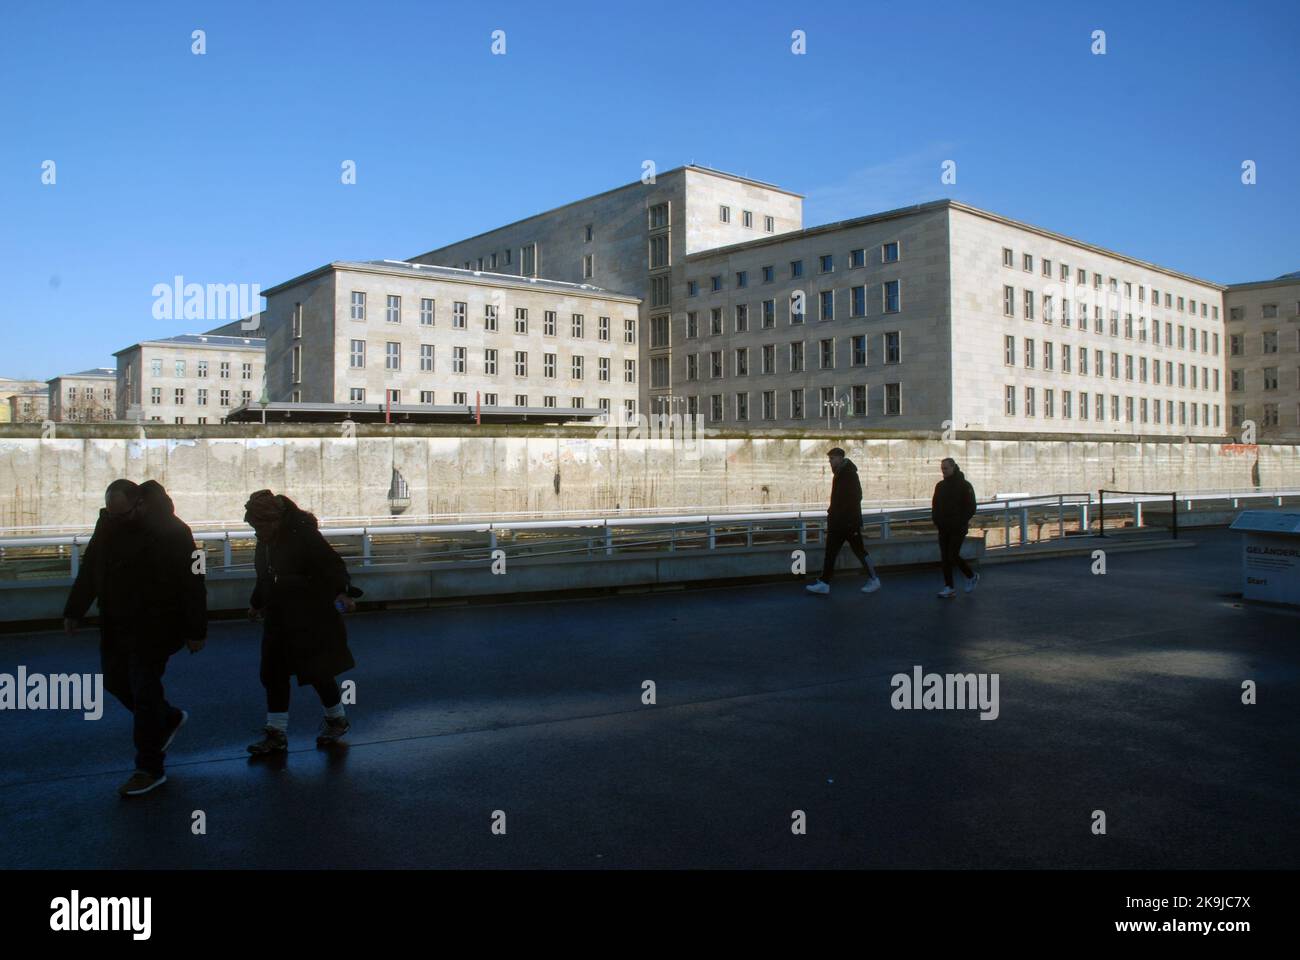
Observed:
{"x":844,"y":523}
{"x":140,"y":567}
{"x":950,"y":510}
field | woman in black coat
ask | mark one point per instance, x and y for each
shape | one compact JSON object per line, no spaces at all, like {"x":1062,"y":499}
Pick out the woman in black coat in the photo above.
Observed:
{"x":302,"y":591}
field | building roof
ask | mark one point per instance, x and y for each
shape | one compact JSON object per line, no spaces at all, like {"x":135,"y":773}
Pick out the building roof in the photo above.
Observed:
{"x":459,"y":275}
{"x":1286,"y":280}
{"x":202,"y":340}
{"x":99,"y":373}
{"x":693,"y":167}
{"x":929,"y":207}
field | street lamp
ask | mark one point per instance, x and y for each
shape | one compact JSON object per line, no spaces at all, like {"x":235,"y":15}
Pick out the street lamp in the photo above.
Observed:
{"x":836,"y":405}
{"x":671,"y":401}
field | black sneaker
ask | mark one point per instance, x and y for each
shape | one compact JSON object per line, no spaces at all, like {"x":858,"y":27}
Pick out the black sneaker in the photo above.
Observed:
{"x":174,"y":729}
{"x":275,"y":741}
{"x":142,"y":781}
{"x":332,"y":730}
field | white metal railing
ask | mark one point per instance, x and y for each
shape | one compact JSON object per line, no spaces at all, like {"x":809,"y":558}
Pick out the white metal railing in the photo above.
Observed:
{"x":673,"y":530}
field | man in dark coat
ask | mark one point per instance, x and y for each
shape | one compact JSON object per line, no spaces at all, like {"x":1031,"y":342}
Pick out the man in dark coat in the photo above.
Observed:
{"x":140,"y":567}
{"x":951,"y":509}
{"x":303,"y":588}
{"x":844,"y":524}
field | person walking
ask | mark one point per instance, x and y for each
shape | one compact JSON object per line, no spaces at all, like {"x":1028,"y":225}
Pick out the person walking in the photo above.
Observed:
{"x":139,"y":565}
{"x":950,"y":510}
{"x":844,"y":524}
{"x":303,"y":589}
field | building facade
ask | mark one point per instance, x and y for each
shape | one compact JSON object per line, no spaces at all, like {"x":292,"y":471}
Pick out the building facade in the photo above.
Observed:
{"x":635,"y":239}
{"x":9,"y":388}
{"x":1264,"y":357}
{"x":1052,"y":335}
{"x":395,"y":332}
{"x":930,"y":317}
{"x":31,"y":406}
{"x":192,"y":378}
{"x":88,"y":396}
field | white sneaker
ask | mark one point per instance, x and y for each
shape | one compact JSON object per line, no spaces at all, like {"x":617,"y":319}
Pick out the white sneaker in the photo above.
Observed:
{"x":872,"y":585}
{"x":947,"y":593}
{"x":972,"y":583}
{"x":818,"y":587}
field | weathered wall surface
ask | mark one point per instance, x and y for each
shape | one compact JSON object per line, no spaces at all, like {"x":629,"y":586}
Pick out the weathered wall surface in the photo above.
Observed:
{"x":60,"y":482}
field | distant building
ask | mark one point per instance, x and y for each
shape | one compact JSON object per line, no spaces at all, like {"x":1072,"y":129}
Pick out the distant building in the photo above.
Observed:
{"x":391,"y":332}
{"x":9,"y":388}
{"x":84,"y":397}
{"x":1264,"y":356}
{"x":193,"y":378}
{"x":30,"y":407}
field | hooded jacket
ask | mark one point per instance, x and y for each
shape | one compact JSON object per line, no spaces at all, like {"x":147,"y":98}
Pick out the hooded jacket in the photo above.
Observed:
{"x":142,"y":569}
{"x":298,"y":576}
{"x":954,"y":502}
{"x":845,"y":511}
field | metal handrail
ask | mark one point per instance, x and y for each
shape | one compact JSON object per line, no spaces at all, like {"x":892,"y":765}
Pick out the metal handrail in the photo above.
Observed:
{"x":673,"y":529}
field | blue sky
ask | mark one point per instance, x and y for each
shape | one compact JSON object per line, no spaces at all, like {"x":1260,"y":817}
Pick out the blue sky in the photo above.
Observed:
{"x":225,"y":168}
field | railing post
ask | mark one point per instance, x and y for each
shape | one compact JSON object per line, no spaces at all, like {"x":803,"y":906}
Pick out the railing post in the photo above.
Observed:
{"x":803,"y":530}
{"x":713,"y":542}
{"x":1024,"y":525}
{"x":74,"y":554}
{"x":749,"y":533}
{"x":1101,"y":513}
{"x":1006,"y":526}
{"x":1060,"y":516}
{"x":609,"y":542}
{"x":1174,"y":503}
{"x":365,"y":547}
{"x":1083,"y":518}
{"x":884,"y":527}
{"x":1137,"y":513}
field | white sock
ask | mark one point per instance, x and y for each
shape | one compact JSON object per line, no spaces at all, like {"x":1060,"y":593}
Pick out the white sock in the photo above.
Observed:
{"x":335,"y":712}
{"x":278,"y":721}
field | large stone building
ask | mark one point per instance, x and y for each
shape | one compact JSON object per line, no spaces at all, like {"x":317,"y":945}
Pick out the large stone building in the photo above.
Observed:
{"x":933,"y":316}
{"x":635,"y":239}
{"x":87,"y":396}
{"x":389,"y":331}
{"x":1264,"y":356}
{"x":192,"y":378}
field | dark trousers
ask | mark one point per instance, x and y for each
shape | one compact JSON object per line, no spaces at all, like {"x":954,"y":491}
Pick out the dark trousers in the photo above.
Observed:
{"x":276,"y":674}
{"x":133,"y":672}
{"x":836,"y":537}
{"x":950,"y":554}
